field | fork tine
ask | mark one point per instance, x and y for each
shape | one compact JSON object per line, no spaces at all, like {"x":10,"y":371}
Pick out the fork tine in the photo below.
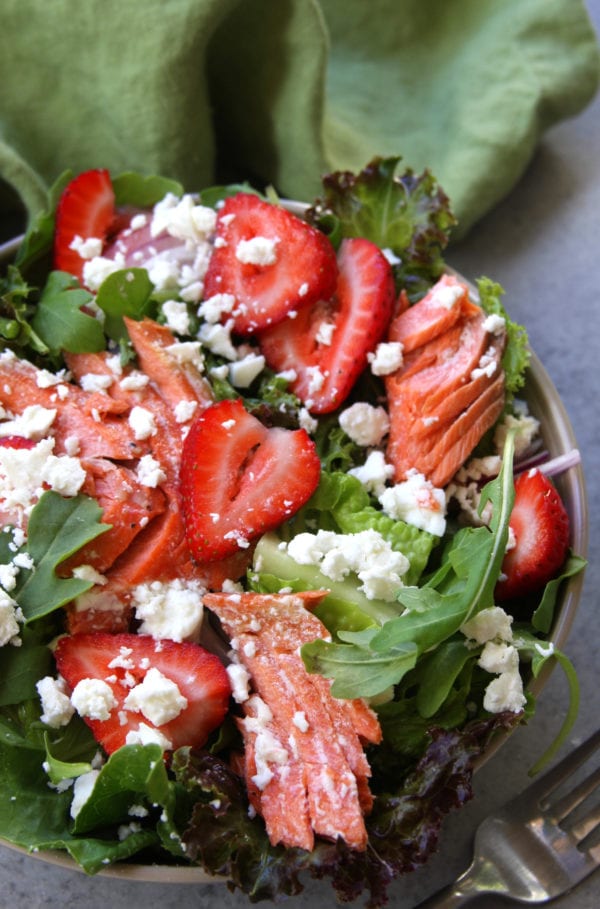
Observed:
{"x":587,"y":824}
{"x":571,"y":800}
{"x":565,"y":768}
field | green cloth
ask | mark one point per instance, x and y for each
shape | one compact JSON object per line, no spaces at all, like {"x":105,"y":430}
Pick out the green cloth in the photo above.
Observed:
{"x":281,"y":91}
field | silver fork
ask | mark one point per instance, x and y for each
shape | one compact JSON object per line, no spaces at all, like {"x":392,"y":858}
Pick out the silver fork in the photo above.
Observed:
{"x":539,"y":845}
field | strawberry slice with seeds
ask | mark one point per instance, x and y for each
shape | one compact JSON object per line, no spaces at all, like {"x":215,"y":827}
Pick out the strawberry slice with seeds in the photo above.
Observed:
{"x":240,"y":479}
{"x":540,"y":524}
{"x":86,"y":210}
{"x":327,"y":345}
{"x":174,"y":690}
{"x":271,"y":261}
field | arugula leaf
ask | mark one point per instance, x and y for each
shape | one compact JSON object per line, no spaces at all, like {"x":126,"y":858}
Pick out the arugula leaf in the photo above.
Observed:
{"x":544,"y":614}
{"x":58,"y":770}
{"x":143,"y":191}
{"x":59,"y":318}
{"x":377,"y":669}
{"x":407,"y":214}
{"x":127,"y":292}
{"x":57,"y":528}
{"x":36,"y":247}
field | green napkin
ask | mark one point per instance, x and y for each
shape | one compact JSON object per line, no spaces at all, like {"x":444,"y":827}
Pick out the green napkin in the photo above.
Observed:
{"x":281,"y":91}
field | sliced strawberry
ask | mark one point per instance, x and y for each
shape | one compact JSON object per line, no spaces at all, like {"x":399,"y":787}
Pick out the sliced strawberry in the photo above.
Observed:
{"x":327,"y":344}
{"x":298,"y":262}
{"x":122,"y":661}
{"x":540,"y":525}
{"x":86,"y":209}
{"x":240,"y":479}
{"x":16,"y":442}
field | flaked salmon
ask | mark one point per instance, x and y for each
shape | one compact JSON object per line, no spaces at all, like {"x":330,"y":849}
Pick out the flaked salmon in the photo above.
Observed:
{"x":316,"y":731}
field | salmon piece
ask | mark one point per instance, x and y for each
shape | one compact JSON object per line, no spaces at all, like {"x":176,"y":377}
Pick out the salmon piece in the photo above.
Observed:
{"x":267,"y":632}
{"x":446,"y":303}
{"x":445,"y":396}
{"x":176,"y":379}
{"x":100,"y":609}
{"x":126,"y":504}
{"x":276,"y":792}
{"x":91,"y":418}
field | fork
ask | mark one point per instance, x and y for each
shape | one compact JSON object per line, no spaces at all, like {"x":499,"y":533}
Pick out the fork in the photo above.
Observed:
{"x":539,"y":845}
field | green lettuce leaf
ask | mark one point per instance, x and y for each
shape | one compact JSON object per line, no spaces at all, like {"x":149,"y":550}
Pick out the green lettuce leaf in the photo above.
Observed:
{"x":408,"y":214}
{"x":60,"y":320}
{"x":58,"y":527}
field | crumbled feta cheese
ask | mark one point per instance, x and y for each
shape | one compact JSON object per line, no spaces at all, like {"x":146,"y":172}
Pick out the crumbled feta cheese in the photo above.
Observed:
{"x":387,"y":358}
{"x":213,"y":308}
{"x":316,"y":379}
{"x":505,"y":692}
{"x":527,"y":430}
{"x":176,"y":316}
{"x":142,"y":423}
{"x":417,"y":502}
{"x":499,"y":657}
{"x":184,"y":411}
{"x":149,"y":472}
{"x":34,"y":423}
{"x":300,"y":722}
{"x":239,"y":678}
{"x":157,"y":697}
{"x":374,"y":473}
{"x":183,"y":218}
{"x":217,"y":338}
{"x":170,"y":609}
{"x":365,"y":424}
{"x":367,"y":554}
{"x":26,"y":472}
{"x":447,"y":295}
{"x":135,"y":381}
{"x":88,"y":247}
{"x":257,"y":250}
{"x":95,"y":382}
{"x":46,"y":379}
{"x":489,"y":624}
{"x":57,"y":708}
{"x":9,"y":626}
{"x":325,"y":333}
{"x":96,"y":270}
{"x":93,"y":698}
{"x":494,"y":324}
{"x":147,"y":735}
{"x":243,"y":372}
{"x":89,"y":573}
{"x":307,"y":422}
{"x":487,"y":366}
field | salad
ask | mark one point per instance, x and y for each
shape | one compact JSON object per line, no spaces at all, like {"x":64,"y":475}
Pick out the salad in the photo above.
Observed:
{"x":280,"y":539}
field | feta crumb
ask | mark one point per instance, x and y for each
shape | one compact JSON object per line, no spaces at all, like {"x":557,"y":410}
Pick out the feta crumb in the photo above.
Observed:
{"x":89,"y":573}
{"x":239,"y":678}
{"x":257,"y":250}
{"x":177,"y":316}
{"x":374,"y":473}
{"x":185,"y":410}
{"x":88,"y":248}
{"x":170,"y":609}
{"x":34,"y":423}
{"x":489,"y":624}
{"x":243,"y":372}
{"x":93,"y":698}
{"x":147,"y":735}
{"x":142,"y":423}
{"x":387,"y":358}
{"x":57,"y":708}
{"x":367,"y":554}
{"x":417,"y":502}
{"x":505,"y":692}
{"x":95,"y":382}
{"x":365,"y":424}
{"x":149,"y":472}
{"x":157,"y":697}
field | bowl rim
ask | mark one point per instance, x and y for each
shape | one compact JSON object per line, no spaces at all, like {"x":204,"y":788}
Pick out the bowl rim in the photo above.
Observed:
{"x":542,"y":397}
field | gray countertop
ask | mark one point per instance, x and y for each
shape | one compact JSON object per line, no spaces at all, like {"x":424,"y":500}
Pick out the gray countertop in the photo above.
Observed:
{"x":542,"y":243}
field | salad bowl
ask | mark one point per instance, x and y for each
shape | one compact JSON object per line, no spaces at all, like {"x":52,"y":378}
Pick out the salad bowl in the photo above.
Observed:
{"x":559,"y":443}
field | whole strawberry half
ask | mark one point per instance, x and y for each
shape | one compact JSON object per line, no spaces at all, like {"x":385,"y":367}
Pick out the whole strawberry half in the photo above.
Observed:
{"x":240,"y":479}
{"x":540,"y":524}
{"x":327,"y":344}
{"x":86,"y":210}
{"x":123,"y":661}
{"x":271,"y":261}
